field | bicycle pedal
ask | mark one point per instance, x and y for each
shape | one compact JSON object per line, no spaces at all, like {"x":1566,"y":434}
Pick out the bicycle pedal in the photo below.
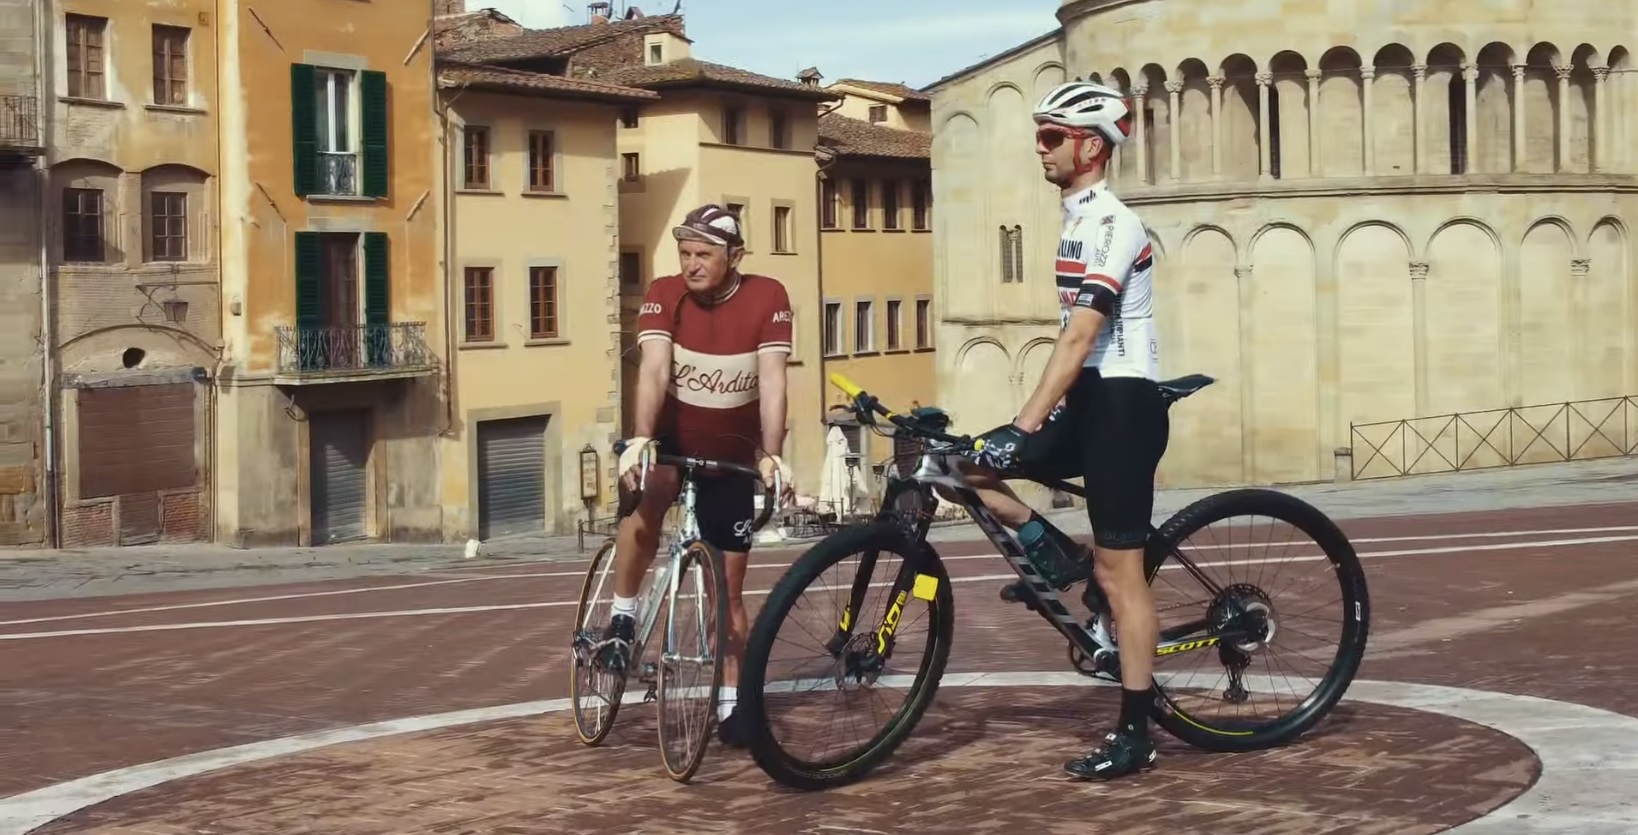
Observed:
{"x":652,"y":694}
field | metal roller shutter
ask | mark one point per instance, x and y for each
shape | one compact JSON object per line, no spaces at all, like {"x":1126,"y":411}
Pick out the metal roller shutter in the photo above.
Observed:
{"x":511,"y":476}
{"x":339,"y":446}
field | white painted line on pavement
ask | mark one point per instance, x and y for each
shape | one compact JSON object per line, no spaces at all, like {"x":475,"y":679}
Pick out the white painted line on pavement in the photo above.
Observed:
{"x":501,"y":607}
{"x":1587,"y":755}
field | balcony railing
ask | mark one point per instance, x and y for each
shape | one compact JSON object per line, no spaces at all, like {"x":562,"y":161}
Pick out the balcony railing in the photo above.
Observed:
{"x":1574,"y":431}
{"x":337,"y":174}
{"x":398,"y":349}
{"x":20,"y":123}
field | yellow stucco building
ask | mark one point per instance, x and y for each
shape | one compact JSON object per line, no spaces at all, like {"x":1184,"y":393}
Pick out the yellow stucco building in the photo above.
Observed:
{"x":1360,"y":214}
{"x":876,"y":323}
{"x":714,"y":134}
{"x":330,"y":392}
{"x":531,"y":172}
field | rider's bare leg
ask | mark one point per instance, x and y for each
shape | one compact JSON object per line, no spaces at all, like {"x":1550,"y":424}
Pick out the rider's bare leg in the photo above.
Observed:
{"x":998,"y":498}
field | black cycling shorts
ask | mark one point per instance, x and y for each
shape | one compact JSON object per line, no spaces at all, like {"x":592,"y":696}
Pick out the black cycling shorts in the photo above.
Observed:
{"x":724,"y":504}
{"x":1111,"y":432}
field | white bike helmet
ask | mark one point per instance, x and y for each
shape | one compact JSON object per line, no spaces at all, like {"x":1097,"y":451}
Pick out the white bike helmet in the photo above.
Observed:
{"x":1084,"y":104}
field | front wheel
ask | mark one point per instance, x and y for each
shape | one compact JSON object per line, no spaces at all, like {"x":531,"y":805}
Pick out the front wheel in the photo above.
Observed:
{"x":1245,"y":611}
{"x":833,"y":650}
{"x":691,"y":654}
{"x":597,"y":692}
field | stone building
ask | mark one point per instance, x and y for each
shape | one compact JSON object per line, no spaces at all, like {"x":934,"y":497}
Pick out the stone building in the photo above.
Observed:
{"x":1360,"y":214}
{"x":23,"y":85}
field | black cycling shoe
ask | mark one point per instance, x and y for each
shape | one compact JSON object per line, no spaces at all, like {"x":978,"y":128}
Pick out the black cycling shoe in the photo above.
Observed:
{"x":1121,"y":754}
{"x":732,"y":731}
{"x":615,"y":655}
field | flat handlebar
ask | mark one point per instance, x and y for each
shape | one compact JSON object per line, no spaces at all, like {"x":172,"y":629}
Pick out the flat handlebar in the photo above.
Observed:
{"x":866,"y":404}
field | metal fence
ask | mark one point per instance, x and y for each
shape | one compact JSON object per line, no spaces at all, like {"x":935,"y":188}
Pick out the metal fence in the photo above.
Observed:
{"x":1571,"y":431}
{"x":354,"y":348}
{"x":19,"y":122}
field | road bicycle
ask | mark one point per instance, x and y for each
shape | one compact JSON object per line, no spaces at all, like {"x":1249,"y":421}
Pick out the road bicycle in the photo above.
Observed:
{"x":1239,"y":621}
{"x":692,"y":570}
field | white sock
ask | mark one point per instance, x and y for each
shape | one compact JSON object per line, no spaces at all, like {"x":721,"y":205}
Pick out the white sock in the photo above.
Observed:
{"x":726,"y":699}
{"x":625,"y":605}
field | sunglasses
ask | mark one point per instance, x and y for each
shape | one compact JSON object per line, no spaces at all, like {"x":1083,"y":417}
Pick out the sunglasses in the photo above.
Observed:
{"x":1051,"y":136}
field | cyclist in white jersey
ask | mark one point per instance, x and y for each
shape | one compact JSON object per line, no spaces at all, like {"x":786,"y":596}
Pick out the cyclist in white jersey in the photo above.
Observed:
{"x":1096,"y":413}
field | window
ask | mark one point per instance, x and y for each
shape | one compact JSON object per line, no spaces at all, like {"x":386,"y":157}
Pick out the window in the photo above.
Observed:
{"x":170,"y":65}
{"x":1012,"y":254}
{"x":82,"y":226}
{"x":628,"y":117}
{"x":890,"y":204}
{"x":779,"y":130}
{"x":631,"y":269}
{"x":832,"y":204}
{"x":920,"y":196}
{"x":540,"y":161}
{"x":833,"y":328}
{"x":475,"y":156}
{"x":656,"y":53}
{"x":861,"y":204}
{"x":543,"y":303}
{"x":894,"y":338}
{"x":924,"y":323}
{"x":864,"y":326}
{"x":733,"y":125}
{"x":167,"y":226}
{"x":339,"y":121}
{"x":878,"y":113}
{"x":343,"y":322}
{"x":633,"y":168}
{"x":480,"y":304}
{"x":737,"y":209}
{"x":782,"y":229}
{"x":85,"y":55}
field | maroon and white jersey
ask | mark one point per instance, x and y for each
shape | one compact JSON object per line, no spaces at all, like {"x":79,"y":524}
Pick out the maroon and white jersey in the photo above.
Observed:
{"x":712,"y":406}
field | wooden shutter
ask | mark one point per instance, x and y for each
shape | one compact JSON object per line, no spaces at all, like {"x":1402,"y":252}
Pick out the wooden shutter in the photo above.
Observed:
{"x":377,"y":298}
{"x":308,"y":344}
{"x":373,"y":89}
{"x":304,"y":128}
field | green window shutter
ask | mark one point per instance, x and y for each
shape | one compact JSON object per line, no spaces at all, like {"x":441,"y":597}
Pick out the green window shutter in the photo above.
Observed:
{"x":377,"y":298}
{"x":308,"y":346}
{"x":373,"y":90}
{"x":304,"y":128}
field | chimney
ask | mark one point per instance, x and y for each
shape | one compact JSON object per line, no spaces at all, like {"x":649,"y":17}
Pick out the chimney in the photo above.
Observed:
{"x":448,"y":7}
{"x":809,"y":77}
{"x":598,"y":11}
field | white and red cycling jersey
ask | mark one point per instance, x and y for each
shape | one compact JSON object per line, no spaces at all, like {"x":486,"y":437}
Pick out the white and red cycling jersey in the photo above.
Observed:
{"x":1106,"y":263}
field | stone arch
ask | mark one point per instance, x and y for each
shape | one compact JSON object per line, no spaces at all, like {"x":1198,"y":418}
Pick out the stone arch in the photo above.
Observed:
{"x":973,"y":343}
{"x":1445,"y":111}
{"x":1282,"y":366}
{"x":1547,"y":312}
{"x":1463,"y":320}
{"x":998,"y":86}
{"x":1302,"y":233}
{"x":1581,"y":106}
{"x":1410,"y":248}
{"x":1392,"y":150}
{"x":1045,"y":77}
{"x":88,"y":190}
{"x":961,"y":267}
{"x":1288,"y":107}
{"x":1126,"y":156}
{"x":983,"y":371}
{"x":175,"y":213}
{"x":1202,"y":299}
{"x":1157,"y":125}
{"x":1615,"y":154}
{"x":100,"y":349}
{"x":1604,"y":320}
{"x":1239,"y":126}
{"x":1341,"y":112}
{"x":1193,"y":124}
{"x":1564,"y":225}
{"x":1031,"y":364}
{"x":1009,"y":139}
{"x":1189,"y":237}
{"x":1543,"y":141}
{"x":1376,"y":336}
{"x":1493,"y":145}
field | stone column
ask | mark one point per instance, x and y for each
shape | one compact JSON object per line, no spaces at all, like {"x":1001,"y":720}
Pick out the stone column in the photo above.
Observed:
{"x":1580,"y":347}
{"x":1246,"y":296}
{"x":1419,"y":337}
{"x":1140,"y":131}
{"x":1216,"y":83}
{"x":1420,"y":154}
{"x":1314,"y":167}
{"x":1601,"y":122}
{"x":1265,"y":139}
{"x":1174,"y":91}
{"x":1470,"y":147}
{"x":1562,"y":146}
{"x":1367,"y":80}
{"x":1519,"y":144}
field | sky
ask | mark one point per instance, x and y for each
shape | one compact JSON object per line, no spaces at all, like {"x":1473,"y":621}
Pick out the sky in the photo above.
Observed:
{"x":916,"y":42}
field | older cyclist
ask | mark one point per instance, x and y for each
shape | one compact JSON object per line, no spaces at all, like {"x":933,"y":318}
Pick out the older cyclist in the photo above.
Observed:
{"x":711,"y":384}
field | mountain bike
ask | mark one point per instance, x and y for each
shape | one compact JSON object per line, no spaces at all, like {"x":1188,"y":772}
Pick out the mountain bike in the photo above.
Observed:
{"x":692,"y":570}
{"x":1238,"y":621}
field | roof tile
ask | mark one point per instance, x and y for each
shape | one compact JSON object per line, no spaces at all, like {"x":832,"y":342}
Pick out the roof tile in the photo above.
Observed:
{"x":852,"y":137}
{"x":694,"y":72}
{"x":888,"y":88}
{"x":499,"y":79}
{"x":563,"y":40}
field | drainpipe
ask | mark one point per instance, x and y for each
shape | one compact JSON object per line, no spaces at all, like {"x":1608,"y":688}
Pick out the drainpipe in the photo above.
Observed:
{"x":48,"y":333}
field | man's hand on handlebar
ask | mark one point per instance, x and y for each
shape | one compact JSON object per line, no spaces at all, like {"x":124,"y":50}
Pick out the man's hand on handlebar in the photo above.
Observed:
{"x":631,"y":460}
{"x":776,"y":475}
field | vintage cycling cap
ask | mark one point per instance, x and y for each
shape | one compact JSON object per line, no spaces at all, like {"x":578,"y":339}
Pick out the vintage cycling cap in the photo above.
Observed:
{"x":711,"y":224}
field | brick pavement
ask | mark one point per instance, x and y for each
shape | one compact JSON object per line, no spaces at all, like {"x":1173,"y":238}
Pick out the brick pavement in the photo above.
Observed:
{"x":86,"y":704}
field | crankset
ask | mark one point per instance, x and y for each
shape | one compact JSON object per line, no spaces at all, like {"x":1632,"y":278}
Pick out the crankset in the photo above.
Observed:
{"x":1103,"y":664}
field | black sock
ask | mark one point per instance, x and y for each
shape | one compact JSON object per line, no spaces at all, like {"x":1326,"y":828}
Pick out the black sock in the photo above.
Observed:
{"x":1134,"y":711}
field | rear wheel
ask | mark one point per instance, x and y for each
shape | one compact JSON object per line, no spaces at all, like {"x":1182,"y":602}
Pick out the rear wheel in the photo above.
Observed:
{"x":1252,"y":621}
{"x":696,"y":636}
{"x":597,"y":692}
